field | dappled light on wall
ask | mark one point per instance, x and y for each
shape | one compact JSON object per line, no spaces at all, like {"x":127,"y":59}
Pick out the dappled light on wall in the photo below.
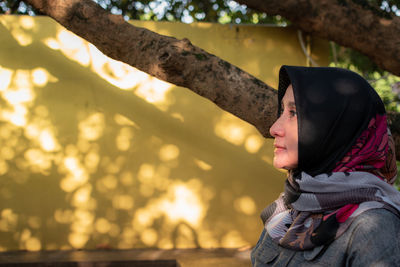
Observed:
{"x":202,"y":165}
{"x":155,"y":91}
{"x":81,"y":228}
{"x":22,"y":32}
{"x":19,"y":94}
{"x":8,"y":220}
{"x":183,"y":204}
{"x":168,"y":152}
{"x":75,"y":174}
{"x":30,"y":242}
{"x":115,"y":72}
{"x":40,"y":77}
{"x":232,"y":130}
{"x":246,"y":205}
{"x":253,"y":143}
{"x":232,"y":238}
{"x":228,"y":128}
{"x":72,"y":46}
{"x":91,"y":128}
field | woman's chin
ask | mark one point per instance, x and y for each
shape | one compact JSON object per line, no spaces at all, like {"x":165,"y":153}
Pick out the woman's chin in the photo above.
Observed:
{"x":280,"y":166}
{"x":284,"y":165}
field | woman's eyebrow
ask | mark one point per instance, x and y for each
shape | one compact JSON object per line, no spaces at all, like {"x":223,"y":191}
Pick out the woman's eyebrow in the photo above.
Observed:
{"x":291,"y":104}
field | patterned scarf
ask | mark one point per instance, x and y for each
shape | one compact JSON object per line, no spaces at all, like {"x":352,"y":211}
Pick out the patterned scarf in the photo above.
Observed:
{"x":318,"y":206}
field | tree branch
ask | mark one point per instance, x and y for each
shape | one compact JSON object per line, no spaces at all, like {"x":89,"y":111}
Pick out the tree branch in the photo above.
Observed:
{"x":359,"y":26}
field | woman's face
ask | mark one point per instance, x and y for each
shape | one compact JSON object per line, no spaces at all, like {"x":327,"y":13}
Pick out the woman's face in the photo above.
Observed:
{"x":284,"y":130}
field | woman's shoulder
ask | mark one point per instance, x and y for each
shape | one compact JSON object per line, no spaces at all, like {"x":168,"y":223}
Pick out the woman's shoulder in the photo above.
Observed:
{"x":374,"y":238}
{"x":376,"y":225}
{"x":375,"y":220}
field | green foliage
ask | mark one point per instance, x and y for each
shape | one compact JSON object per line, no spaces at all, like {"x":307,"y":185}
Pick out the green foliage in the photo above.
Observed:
{"x":16,"y":7}
{"x":386,"y":84}
{"x":351,"y":59}
{"x":221,"y":11}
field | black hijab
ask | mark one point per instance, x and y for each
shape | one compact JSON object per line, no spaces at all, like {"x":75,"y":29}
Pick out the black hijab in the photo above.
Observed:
{"x":346,"y":158}
{"x":334,"y":106}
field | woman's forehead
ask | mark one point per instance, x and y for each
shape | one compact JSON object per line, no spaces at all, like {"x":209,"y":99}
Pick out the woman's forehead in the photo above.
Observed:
{"x":288,"y":98}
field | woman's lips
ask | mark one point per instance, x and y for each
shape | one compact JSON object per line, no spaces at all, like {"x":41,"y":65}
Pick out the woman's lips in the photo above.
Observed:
{"x":279,"y":149}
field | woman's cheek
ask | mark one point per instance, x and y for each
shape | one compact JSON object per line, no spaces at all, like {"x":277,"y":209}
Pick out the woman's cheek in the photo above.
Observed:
{"x":280,"y":160}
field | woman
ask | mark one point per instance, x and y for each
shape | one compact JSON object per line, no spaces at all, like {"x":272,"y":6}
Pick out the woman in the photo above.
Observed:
{"x":338,"y":207}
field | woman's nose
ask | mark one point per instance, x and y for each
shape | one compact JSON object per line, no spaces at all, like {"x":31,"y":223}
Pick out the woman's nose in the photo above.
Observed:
{"x":276,"y":129}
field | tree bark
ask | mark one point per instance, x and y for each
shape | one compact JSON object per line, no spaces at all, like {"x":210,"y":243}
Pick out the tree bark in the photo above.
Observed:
{"x":350,"y":23}
{"x":181,"y":63}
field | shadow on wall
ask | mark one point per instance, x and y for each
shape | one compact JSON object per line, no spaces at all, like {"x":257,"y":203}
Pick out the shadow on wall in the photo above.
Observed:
{"x":96,"y":154}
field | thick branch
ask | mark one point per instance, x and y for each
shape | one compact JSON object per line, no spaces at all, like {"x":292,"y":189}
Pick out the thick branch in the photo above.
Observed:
{"x":169,"y":59}
{"x":350,"y":24}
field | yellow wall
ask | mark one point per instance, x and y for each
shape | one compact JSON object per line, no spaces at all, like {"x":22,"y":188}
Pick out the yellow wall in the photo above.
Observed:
{"x":95,"y":153}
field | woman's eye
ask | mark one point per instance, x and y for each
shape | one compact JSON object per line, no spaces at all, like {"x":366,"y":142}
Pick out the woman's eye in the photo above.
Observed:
{"x":293,"y":113}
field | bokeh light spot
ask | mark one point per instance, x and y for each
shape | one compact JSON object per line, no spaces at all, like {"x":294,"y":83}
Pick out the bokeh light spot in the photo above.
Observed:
{"x":233,"y":239}
{"x":230,"y":129}
{"x":33,"y":244}
{"x":253,"y":143}
{"x":92,"y":160}
{"x":82,"y":196}
{"x":34,"y":222}
{"x":146,"y":173}
{"x":168,"y":152}
{"x":149,"y":237}
{"x":5,"y":78}
{"x":183,"y":204}
{"x":123,"y":139}
{"x":102,"y":225}
{"x":78,"y":240}
{"x":41,"y":77}
{"x":3,"y":167}
{"x":51,"y":43}
{"x":245,"y":205}
{"x":123,"y":202}
{"x":203,"y":165}
{"x":27,"y":22}
{"x":122,"y":120}
{"x":92,"y":127}
{"x":47,"y":141}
